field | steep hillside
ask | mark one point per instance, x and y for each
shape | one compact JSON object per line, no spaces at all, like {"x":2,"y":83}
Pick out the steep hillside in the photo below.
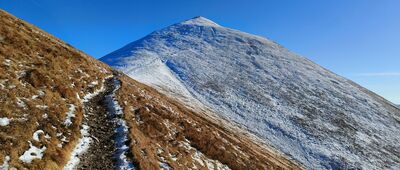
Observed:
{"x":60,"y":108}
{"x":320,"y":119}
{"x":41,"y":79}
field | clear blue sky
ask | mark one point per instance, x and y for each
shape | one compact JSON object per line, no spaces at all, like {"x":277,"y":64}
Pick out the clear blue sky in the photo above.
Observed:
{"x":358,"y":39}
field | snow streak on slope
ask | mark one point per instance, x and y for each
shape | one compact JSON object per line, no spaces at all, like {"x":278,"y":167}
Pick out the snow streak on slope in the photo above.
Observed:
{"x":320,"y":119}
{"x":152,"y":71}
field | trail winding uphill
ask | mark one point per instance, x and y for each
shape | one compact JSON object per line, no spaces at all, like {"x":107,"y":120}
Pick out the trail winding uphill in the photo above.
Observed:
{"x":105,"y":132}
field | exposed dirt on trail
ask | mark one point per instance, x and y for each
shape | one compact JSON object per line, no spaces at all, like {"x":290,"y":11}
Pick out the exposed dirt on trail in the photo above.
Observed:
{"x":102,"y":148}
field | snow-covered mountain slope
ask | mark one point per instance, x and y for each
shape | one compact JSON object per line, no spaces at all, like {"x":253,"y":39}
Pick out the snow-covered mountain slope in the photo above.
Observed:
{"x":320,"y":119}
{"x":153,"y":71}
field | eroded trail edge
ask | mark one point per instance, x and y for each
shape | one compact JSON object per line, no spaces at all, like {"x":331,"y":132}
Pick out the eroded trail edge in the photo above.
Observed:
{"x":103,"y":132}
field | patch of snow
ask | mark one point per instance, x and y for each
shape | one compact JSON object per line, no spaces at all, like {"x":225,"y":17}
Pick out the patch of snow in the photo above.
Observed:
{"x":42,"y":107}
{"x":108,"y":77}
{"x":201,"y":158}
{"x":197,"y":157}
{"x":40,"y":93}
{"x":64,"y":139}
{"x":32,"y":153}
{"x":92,"y":84}
{"x":80,"y":148}
{"x":173,"y":157}
{"x":21,"y":103}
{"x":69,"y":115}
{"x":5,"y":165}
{"x":36,"y":135}
{"x":209,"y":163}
{"x":154,"y":72}
{"x":165,"y":166}
{"x":89,"y":96}
{"x":7,"y":62}
{"x":4,"y":121}
{"x":200,"y":21}
{"x":363,"y":138}
{"x":21,"y":74}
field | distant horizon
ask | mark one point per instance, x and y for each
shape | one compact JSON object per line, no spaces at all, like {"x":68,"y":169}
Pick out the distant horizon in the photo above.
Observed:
{"x":357,"y":40}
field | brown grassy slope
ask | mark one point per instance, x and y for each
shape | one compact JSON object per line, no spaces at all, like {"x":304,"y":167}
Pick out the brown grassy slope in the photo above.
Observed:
{"x":164,"y":131}
{"x":43,"y":75}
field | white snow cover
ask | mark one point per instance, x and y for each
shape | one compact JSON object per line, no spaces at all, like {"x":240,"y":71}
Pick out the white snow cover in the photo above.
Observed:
{"x":162,"y":162}
{"x":153,"y":71}
{"x":70,"y":114}
{"x":94,"y":83}
{"x":5,"y":165}
{"x":202,"y":159}
{"x":32,"y":153}
{"x":80,"y":148}
{"x":89,"y":96}
{"x":4,"y":121}
{"x":209,"y":163}
{"x":36,"y":135}
{"x":21,"y":103}
{"x":305,"y":111}
{"x":40,"y":93}
{"x":165,"y":166}
{"x":42,"y":107}
{"x":122,"y":163}
{"x":201,"y":21}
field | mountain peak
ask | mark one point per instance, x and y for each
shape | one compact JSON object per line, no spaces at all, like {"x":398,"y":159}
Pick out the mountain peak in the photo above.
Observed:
{"x":267,"y":91}
{"x":200,"y":21}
